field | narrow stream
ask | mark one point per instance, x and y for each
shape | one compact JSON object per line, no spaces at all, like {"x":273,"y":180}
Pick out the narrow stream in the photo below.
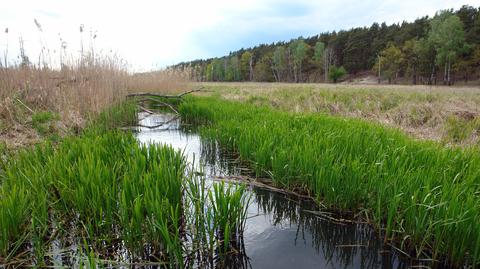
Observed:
{"x":282,"y":231}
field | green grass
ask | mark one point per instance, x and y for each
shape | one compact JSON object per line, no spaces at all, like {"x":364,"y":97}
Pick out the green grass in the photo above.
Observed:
{"x":424,"y":196}
{"x":118,"y":115}
{"x":44,"y":122}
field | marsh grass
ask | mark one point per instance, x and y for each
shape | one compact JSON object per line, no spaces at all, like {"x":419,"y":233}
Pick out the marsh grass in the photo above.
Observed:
{"x":216,"y":214}
{"x":229,"y":208}
{"x":421,"y":195}
{"x":102,"y":190}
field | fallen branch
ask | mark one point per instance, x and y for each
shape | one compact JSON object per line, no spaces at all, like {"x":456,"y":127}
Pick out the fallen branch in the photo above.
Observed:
{"x":145,"y":110}
{"x":257,"y":183}
{"x":179,"y":96}
{"x":170,"y":106}
{"x":158,"y":125}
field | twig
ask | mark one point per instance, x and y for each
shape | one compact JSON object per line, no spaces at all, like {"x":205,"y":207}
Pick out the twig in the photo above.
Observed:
{"x":195,"y":90}
{"x":145,"y":110}
{"x":399,"y":250}
{"x":170,"y":106}
{"x":350,"y":246}
{"x":31,"y":110}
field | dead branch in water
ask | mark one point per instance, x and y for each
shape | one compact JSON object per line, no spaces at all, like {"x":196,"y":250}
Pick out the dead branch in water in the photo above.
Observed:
{"x":145,"y":110}
{"x":164,"y":96}
{"x":258,"y":183}
{"x":170,"y":106}
{"x":158,"y":125}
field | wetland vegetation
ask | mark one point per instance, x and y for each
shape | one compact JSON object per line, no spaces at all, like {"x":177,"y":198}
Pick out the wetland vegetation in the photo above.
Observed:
{"x":421,"y":195}
{"x":104,"y":194}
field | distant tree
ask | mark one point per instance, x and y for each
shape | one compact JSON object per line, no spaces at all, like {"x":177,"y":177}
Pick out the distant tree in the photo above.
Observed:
{"x":328,"y":60}
{"x":448,"y":39}
{"x":473,"y":34}
{"x":218,"y":70}
{"x":426,"y":60}
{"x":469,"y":16}
{"x":411,"y":58}
{"x":357,"y":50}
{"x":390,"y":62}
{"x":467,"y":66}
{"x":246,"y":66}
{"x":279,"y":63}
{"x":298,"y":50}
{"x":232,"y":72}
{"x":262,"y":70}
{"x":319,"y":50}
{"x":336,"y":73}
{"x":319,"y":55}
{"x":209,"y":72}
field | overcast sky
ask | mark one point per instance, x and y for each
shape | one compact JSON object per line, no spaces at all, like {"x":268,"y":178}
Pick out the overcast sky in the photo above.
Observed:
{"x":154,"y":34}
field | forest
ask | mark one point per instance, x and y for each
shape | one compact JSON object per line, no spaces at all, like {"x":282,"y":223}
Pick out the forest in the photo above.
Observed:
{"x":443,"y":49}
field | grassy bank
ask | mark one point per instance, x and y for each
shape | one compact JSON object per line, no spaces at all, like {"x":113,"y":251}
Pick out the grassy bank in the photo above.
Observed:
{"x":450,"y":115}
{"x":425,"y":196}
{"x":113,"y":200}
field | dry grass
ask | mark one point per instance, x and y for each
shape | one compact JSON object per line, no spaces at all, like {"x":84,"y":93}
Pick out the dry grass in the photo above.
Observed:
{"x":447,"y":114}
{"x":72,"y":95}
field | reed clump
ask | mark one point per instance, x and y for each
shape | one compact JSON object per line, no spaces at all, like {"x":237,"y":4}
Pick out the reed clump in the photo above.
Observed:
{"x":423,"y":196}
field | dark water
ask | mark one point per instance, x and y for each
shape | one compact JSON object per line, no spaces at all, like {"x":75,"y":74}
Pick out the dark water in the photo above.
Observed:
{"x":282,"y":231}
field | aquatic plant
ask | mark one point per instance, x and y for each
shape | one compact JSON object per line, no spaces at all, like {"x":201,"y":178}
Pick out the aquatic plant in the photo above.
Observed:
{"x":229,"y":208}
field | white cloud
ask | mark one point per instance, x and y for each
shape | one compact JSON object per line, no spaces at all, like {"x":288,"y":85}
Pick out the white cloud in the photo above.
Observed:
{"x":151,"y":34}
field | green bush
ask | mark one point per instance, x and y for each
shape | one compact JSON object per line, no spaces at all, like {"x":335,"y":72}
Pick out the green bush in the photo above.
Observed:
{"x":336,"y":73}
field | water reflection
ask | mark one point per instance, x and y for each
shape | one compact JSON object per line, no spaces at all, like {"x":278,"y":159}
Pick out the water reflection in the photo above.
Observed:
{"x":282,"y":231}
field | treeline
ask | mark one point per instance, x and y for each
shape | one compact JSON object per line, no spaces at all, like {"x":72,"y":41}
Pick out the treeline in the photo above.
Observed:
{"x":443,"y":49}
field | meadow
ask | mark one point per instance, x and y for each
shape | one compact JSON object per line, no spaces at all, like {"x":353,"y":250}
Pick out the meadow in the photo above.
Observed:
{"x":422,"y":196}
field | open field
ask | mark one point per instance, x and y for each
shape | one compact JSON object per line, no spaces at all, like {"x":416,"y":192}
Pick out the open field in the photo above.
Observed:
{"x":446,"y":114}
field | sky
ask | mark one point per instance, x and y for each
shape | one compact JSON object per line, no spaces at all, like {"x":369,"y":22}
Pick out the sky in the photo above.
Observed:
{"x":150,"y":34}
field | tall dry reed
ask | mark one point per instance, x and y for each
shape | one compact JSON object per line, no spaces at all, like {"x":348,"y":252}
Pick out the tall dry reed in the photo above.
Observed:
{"x":80,"y":87}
